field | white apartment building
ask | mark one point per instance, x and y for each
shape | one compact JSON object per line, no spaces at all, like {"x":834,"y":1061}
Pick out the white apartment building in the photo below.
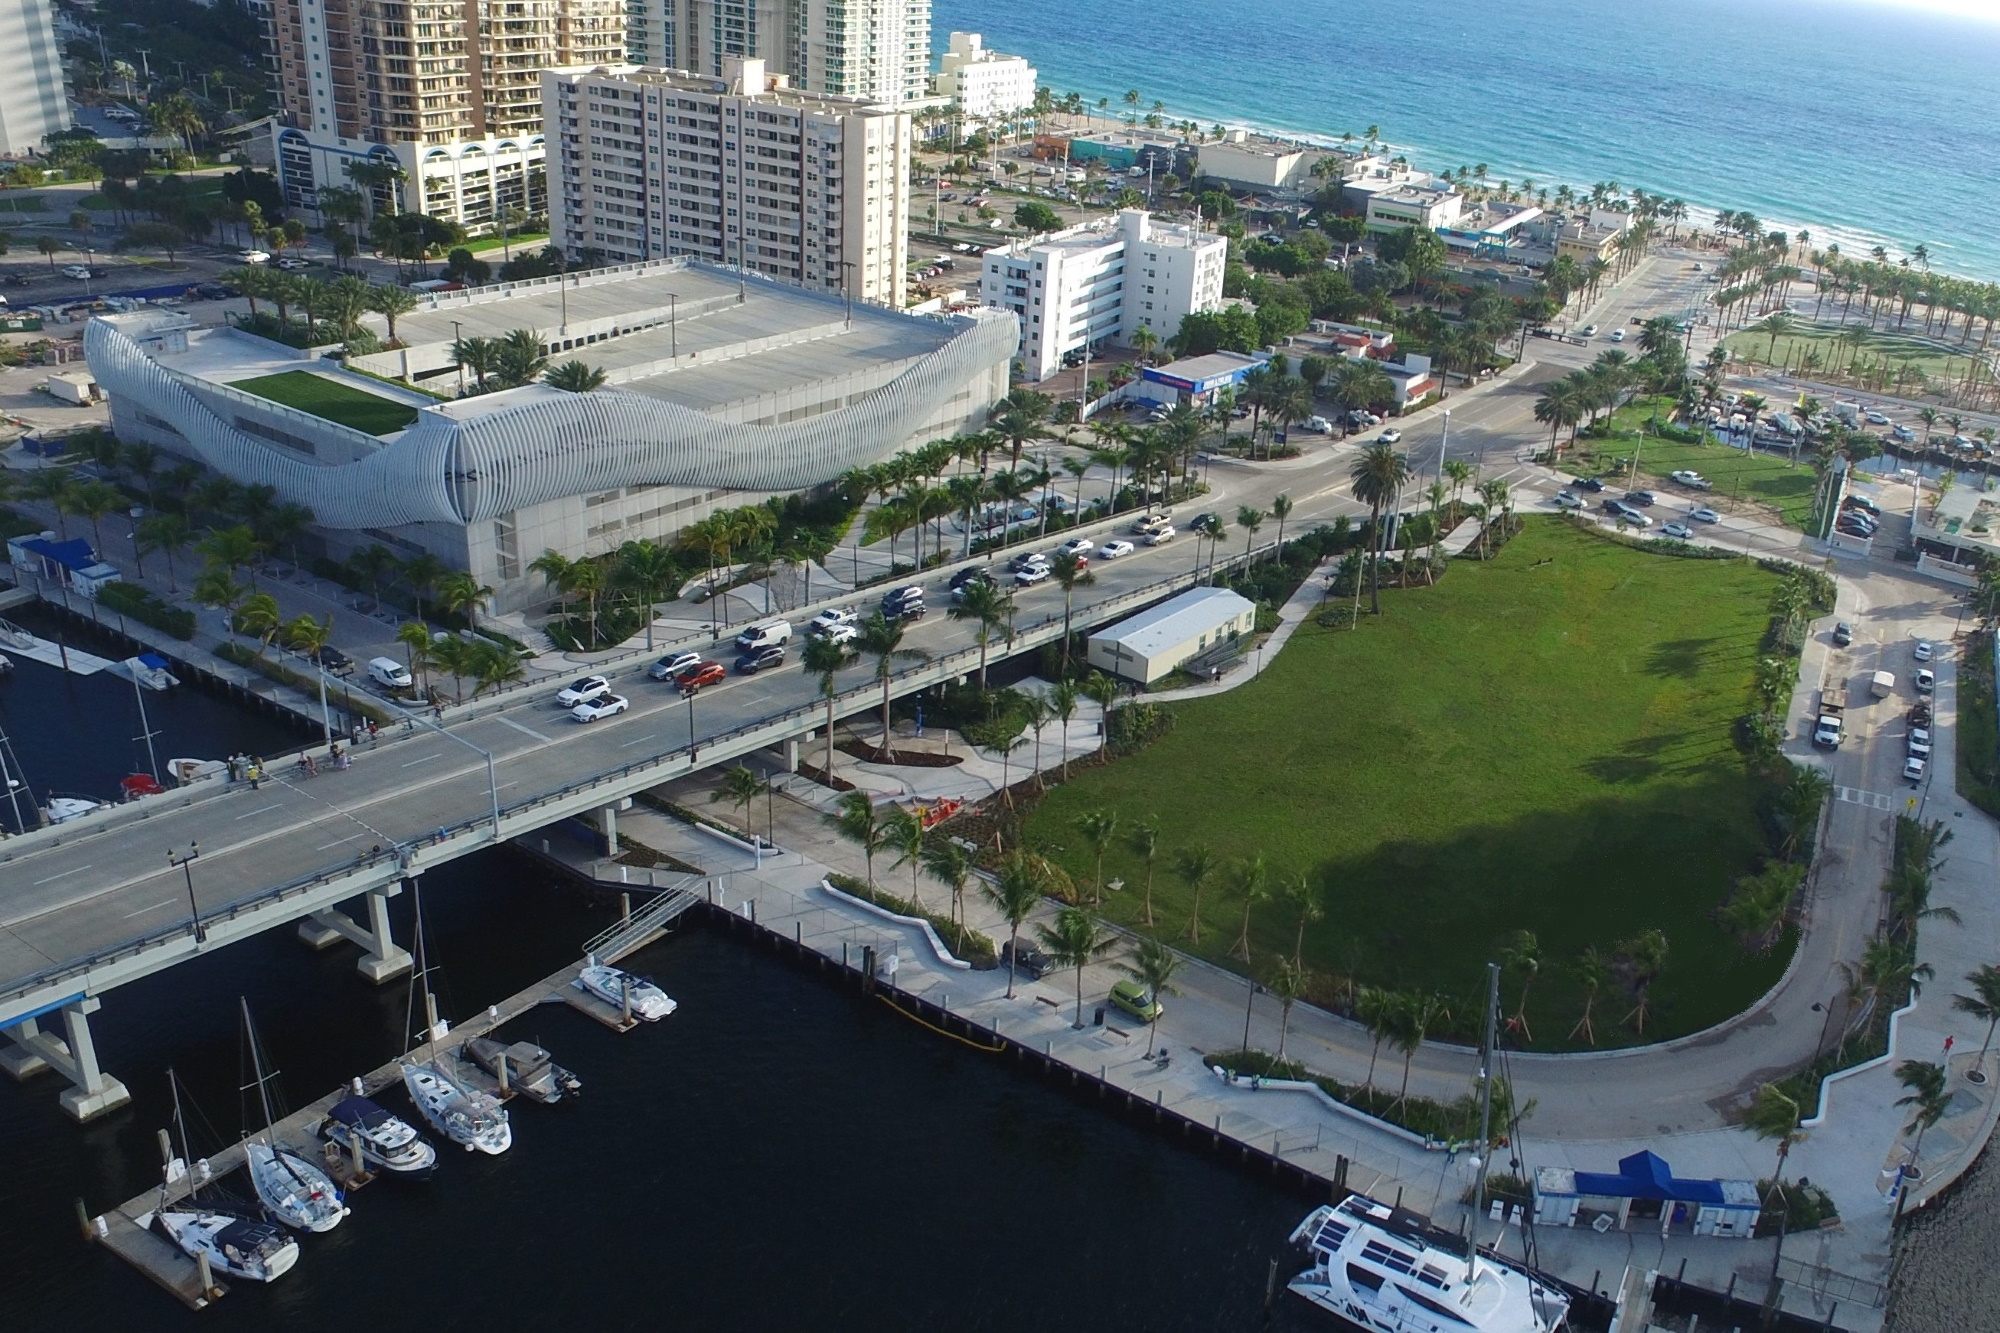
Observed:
{"x":741,"y":169}
{"x":1427,"y":206}
{"x":985,"y":84}
{"x":1101,"y":283}
{"x":878,"y":49}
{"x":32,"y":102}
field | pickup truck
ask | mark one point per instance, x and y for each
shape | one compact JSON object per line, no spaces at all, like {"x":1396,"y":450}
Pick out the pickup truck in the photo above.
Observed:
{"x":1832,"y":705}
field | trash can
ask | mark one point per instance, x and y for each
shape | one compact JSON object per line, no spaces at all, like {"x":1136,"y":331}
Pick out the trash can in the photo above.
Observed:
{"x":1100,"y":1015}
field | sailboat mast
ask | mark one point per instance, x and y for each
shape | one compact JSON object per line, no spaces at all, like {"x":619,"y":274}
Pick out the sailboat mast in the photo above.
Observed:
{"x":1486,"y":1045}
{"x":257,"y":1063}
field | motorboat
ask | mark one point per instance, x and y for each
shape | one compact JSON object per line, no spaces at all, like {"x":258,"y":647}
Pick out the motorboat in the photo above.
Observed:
{"x":466,"y":1116}
{"x":242,"y":1248}
{"x":1386,"y":1268}
{"x":188,"y":771}
{"x":62,"y":809}
{"x":616,"y":986}
{"x":139,"y":784}
{"x":381,"y":1140}
{"x":151,"y":670}
{"x":6,"y":664}
{"x":292,"y":1188}
{"x":531,"y":1071}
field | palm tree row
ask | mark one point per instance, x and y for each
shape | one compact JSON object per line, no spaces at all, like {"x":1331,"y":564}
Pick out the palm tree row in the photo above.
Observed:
{"x":340,"y":301}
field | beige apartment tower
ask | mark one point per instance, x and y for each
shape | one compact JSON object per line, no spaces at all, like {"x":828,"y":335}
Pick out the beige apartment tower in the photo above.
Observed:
{"x":878,"y":49}
{"x":451,"y":92}
{"x":740,"y":169}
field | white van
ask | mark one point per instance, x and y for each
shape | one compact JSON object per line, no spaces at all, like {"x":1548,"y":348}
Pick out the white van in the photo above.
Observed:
{"x":771,"y":634}
{"x":389,"y":673}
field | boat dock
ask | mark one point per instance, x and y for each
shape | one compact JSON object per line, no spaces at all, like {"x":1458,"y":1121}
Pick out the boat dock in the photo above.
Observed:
{"x":34,"y":648}
{"x":119,"y":1229}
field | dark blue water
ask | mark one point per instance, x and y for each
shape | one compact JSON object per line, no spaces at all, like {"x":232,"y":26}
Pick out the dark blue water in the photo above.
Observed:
{"x":781,"y":1154}
{"x":1864,"y":122}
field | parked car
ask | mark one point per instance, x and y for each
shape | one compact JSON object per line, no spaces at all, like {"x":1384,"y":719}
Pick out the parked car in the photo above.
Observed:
{"x":1926,"y":680}
{"x":1618,"y":335}
{"x":830,"y":619}
{"x":1590,"y":484}
{"x":1132,"y":998}
{"x":334,"y":662}
{"x":603,"y":706}
{"x":672,"y":665}
{"x":1678,"y":531}
{"x":1705,"y":515}
{"x":1025,"y":959}
{"x":749,"y":664}
{"x":389,"y":673}
{"x":1923,"y":650}
{"x":1864,"y":503}
{"x":214,"y":291}
{"x":1694,"y":480}
{"x":1568,"y":500}
{"x":1588,"y":330}
{"x":1077,"y":546}
{"x":1159,"y":537}
{"x":1903,"y":435}
{"x":1843,"y":634}
{"x":292,"y":264}
{"x":700,"y":674}
{"x":1913,"y":769}
{"x":583,"y":691}
{"x":1112,"y":550}
{"x":1643,"y":499}
{"x":1875,"y":418}
{"x":1920,"y":743}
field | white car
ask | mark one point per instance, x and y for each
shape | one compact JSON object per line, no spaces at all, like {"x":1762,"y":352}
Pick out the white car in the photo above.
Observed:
{"x":1112,"y":550}
{"x":1568,"y":500}
{"x":1077,"y":546}
{"x":1705,"y":515}
{"x":583,"y":691}
{"x":77,"y":271}
{"x":1926,"y":680}
{"x":1391,"y":436}
{"x":672,"y":665}
{"x":254,"y":257}
{"x":291,"y":265}
{"x":1618,"y":335}
{"x":1160,"y":537}
{"x":1588,"y":330}
{"x":1903,"y":435}
{"x":1632,"y":515}
{"x":605,"y":705}
{"x":1151,"y":523}
{"x":833,"y":618}
{"x":841,"y":634}
{"x":1920,"y":743}
{"x":1913,"y":769}
{"x":1678,"y":531}
{"x":1875,"y":418}
{"x":1032,"y":575}
{"x":1923,"y":650}
{"x":1692,"y":479}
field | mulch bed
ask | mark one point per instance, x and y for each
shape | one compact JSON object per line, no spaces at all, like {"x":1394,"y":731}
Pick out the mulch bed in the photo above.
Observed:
{"x":824,"y":778}
{"x":900,"y":758}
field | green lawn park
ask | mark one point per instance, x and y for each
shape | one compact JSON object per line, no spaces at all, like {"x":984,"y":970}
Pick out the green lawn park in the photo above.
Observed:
{"x":1829,"y":350}
{"x":1541,"y":742}
{"x":337,"y":402}
{"x":1756,"y":475}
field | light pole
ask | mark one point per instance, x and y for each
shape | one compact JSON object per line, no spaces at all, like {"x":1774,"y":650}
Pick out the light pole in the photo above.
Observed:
{"x":492,"y":781}
{"x":457,"y":343}
{"x":847,"y":288}
{"x":185,"y":863}
{"x":1443,"y":438}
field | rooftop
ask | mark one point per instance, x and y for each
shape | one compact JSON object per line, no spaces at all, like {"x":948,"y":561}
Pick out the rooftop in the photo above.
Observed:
{"x":1207,"y":366}
{"x":1176,"y":620}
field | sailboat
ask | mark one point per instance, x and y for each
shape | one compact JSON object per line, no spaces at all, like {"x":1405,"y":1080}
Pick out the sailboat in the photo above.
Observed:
{"x":292,"y":1187}
{"x":468,"y":1117}
{"x":1380,"y":1267}
{"x":239,"y":1246}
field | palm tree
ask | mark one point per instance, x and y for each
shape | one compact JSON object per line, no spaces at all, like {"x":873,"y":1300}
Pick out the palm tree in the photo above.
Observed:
{"x":1195,"y":866}
{"x":1144,"y":840}
{"x":1154,"y":967}
{"x":824,"y":658}
{"x":1076,"y":940}
{"x":1773,"y":1114}
{"x":1281,"y":509}
{"x":740,"y":786}
{"x":415,"y":636}
{"x":216,"y":589}
{"x":232,"y":548}
{"x":1928,"y":1100}
{"x":1421,"y":1012}
{"x":459,"y":593}
{"x":369,"y":564}
{"x":904,"y":831}
{"x":650,"y":571}
{"x":1287,"y":980}
{"x":391,"y":301}
{"x":1015,"y":892}
{"x":856,"y":820}
{"x":259,"y":616}
{"x":947,"y":862}
{"x":1302,"y":890}
{"x":166,"y":533}
{"x":457,"y":656}
{"x":1251,"y":880}
{"x":1593,"y":971}
{"x":1062,"y":704}
{"x":494,"y":664}
{"x":1249,"y":518}
{"x":1522,"y":953}
{"x":575,"y":376}
{"x":1646,"y":954}
{"x":1376,"y":1009}
{"x":420,"y":574}
{"x":882,"y":639}
{"x":93,"y":500}
{"x":478,"y":355}
{"x":1378,"y":477}
{"x":1068,"y":570}
{"x":1984,"y":1003}
{"x":1100,"y":829}
{"x":986,"y":602}
{"x":306,"y":636}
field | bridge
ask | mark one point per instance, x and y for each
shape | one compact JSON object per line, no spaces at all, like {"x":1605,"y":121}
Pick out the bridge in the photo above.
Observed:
{"x":134,"y":889}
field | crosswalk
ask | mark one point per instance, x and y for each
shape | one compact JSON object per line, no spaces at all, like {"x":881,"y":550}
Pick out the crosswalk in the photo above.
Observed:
{"x":1874,"y":799}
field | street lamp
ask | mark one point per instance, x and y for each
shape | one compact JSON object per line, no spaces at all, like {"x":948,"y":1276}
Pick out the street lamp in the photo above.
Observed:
{"x":186,"y":863}
{"x":458,"y":343}
{"x":1443,"y":439}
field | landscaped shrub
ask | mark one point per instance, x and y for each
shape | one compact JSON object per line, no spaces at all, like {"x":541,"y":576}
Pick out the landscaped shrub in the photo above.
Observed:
{"x":1978,"y":728}
{"x":1136,"y":725}
{"x":966,"y":944}
{"x":1457,"y":1122}
{"x":148,"y":609}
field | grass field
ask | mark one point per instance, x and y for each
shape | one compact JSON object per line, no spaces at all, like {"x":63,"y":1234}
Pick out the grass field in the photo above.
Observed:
{"x":1826,"y":340}
{"x":1541,"y":742}
{"x":1765,"y":478}
{"x":529,"y":242}
{"x":337,"y":402}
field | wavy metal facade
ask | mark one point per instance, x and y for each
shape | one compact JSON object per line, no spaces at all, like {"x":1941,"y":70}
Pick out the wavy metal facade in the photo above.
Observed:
{"x":507,"y":457}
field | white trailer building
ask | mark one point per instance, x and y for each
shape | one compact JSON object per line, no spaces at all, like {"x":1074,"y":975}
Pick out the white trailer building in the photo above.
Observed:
{"x":1156,"y":642}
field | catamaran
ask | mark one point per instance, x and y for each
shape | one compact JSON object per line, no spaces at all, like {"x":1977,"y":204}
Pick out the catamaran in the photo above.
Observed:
{"x":292,"y":1187}
{"x":615,"y":986}
{"x":1385,"y":1269}
{"x":468,"y":1117}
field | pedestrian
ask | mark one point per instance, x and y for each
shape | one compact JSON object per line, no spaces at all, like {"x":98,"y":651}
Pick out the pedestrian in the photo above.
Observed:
{"x":234,"y":774}
{"x":372,"y":729}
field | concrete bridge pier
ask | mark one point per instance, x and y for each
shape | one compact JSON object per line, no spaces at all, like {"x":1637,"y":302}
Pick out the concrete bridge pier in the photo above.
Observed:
{"x":792,"y":754}
{"x":74,"y":1056}
{"x":381,"y":959}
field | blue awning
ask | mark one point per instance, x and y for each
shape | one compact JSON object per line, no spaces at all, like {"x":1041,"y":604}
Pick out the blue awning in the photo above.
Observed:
{"x":1646,"y":1175}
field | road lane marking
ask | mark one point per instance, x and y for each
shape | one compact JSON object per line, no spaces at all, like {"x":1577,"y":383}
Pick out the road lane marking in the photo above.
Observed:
{"x":424,"y":759}
{"x":164,"y":902}
{"x":337,"y":841}
{"x":526,"y":731}
{"x":262,"y":809}
{"x":641,"y":740}
{"x":65,"y":875}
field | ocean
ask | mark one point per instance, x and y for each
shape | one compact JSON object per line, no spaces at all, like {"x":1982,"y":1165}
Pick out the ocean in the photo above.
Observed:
{"x":1864,"y":123}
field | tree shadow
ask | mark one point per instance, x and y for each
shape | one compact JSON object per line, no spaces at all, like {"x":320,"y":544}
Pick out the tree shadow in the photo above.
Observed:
{"x":1682,"y":659}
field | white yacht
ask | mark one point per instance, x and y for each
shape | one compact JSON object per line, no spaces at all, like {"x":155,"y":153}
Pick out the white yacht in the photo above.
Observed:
{"x":384,"y":1142}
{"x":62,"y":809}
{"x":464,"y":1115}
{"x":1384,"y":1268}
{"x":613,"y":986}
{"x":237,"y":1246}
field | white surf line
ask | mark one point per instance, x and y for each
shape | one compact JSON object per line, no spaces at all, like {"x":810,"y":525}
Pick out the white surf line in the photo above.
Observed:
{"x":424,"y":759}
{"x":526,"y":731}
{"x":164,"y":902}
{"x":64,"y":875}
{"x":262,"y":809}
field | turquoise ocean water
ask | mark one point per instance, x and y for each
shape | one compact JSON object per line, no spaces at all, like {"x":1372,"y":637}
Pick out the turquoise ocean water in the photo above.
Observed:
{"x":1865,"y":123}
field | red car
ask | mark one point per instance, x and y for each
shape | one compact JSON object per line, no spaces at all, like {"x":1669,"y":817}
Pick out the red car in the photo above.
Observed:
{"x":700,"y":674}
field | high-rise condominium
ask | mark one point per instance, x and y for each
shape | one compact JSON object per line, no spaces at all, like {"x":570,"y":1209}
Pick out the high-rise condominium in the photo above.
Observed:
{"x":878,"y":49}
{"x":32,"y":102}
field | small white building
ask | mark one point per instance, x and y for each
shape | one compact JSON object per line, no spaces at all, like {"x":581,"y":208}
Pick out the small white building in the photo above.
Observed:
{"x":1426,"y":206}
{"x":985,"y":84}
{"x":1645,"y":1189}
{"x":1101,"y":283}
{"x":1156,"y":642}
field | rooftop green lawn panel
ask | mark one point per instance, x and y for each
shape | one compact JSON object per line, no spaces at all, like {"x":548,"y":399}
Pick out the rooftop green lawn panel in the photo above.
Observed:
{"x":1541,"y":742}
{"x":341,"y":403}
